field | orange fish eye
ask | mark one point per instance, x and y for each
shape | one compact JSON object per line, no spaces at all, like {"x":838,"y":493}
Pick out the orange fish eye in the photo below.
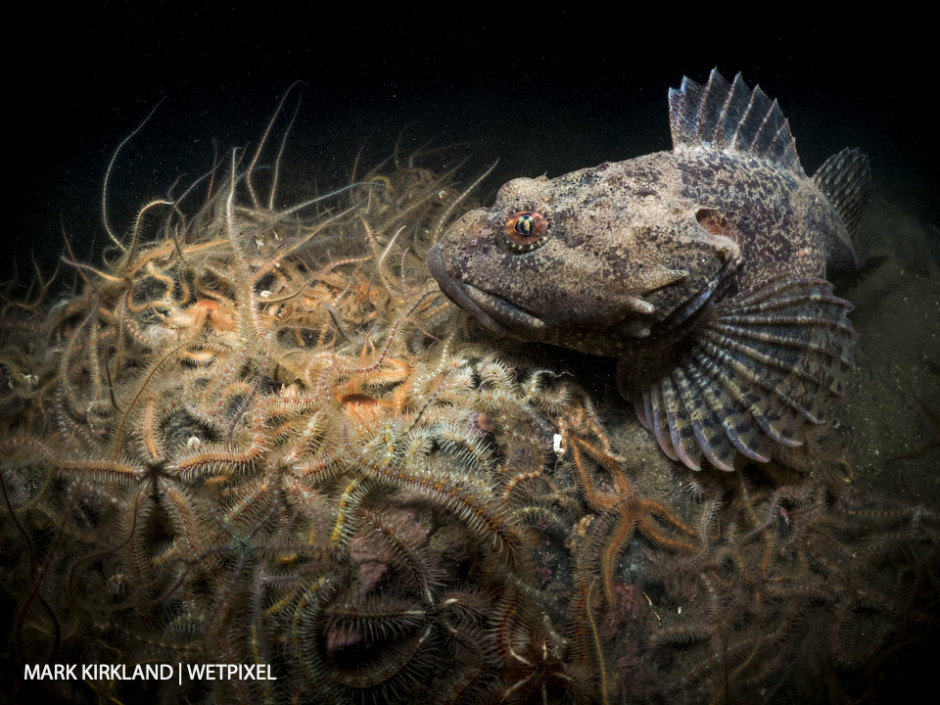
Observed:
{"x":525,"y":230}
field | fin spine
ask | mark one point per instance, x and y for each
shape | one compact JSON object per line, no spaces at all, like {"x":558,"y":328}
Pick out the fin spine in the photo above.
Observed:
{"x":845,"y":178}
{"x":731,"y":117}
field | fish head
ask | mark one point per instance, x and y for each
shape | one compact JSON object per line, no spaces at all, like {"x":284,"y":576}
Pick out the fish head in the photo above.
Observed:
{"x":595,"y":260}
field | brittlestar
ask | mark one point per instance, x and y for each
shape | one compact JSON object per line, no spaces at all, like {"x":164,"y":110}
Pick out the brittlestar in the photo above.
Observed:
{"x":624,"y":512}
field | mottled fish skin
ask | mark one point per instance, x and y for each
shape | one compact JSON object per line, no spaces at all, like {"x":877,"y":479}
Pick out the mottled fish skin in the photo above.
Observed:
{"x":702,"y":269}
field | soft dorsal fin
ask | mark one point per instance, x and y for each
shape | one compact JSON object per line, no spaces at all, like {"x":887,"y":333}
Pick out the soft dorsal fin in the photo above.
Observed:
{"x":845,"y":178}
{"x":731,"y":117}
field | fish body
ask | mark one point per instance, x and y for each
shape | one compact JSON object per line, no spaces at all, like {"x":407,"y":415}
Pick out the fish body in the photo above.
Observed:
{"x":704,"y":270}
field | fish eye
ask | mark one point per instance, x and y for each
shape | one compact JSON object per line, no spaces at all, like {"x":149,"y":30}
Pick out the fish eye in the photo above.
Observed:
{"x":525,"y":230}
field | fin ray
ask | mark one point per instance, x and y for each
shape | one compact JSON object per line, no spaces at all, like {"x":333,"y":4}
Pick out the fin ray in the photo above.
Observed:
{"x":764,"y":365}
{"x":731,"y":117}
{"x":845,"y":178}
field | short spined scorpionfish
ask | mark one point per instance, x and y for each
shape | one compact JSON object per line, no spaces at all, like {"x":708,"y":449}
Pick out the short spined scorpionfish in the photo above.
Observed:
{"x":704,"y":270}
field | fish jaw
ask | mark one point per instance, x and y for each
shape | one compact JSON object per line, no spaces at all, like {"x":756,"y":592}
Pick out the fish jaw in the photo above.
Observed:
{"x":559,"y":325}
{"x":494,"y":313}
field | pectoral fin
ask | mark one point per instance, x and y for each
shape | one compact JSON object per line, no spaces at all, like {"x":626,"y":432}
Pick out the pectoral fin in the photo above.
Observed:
{"x":760,"y":367}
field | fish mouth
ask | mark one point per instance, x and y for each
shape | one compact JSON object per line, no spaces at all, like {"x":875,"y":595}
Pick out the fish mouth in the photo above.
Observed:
{"x":494,"y":313}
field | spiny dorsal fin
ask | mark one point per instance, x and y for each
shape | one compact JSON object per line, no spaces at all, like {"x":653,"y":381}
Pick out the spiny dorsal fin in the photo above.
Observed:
{"x":845,"y":178}
{"x":731,"y":117}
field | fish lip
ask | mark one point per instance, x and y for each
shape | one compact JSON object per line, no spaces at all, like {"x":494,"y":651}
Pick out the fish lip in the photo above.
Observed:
{"x":490,"y":310}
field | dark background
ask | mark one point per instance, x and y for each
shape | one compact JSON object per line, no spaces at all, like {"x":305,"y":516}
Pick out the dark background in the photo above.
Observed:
{"x":543,"y":91}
